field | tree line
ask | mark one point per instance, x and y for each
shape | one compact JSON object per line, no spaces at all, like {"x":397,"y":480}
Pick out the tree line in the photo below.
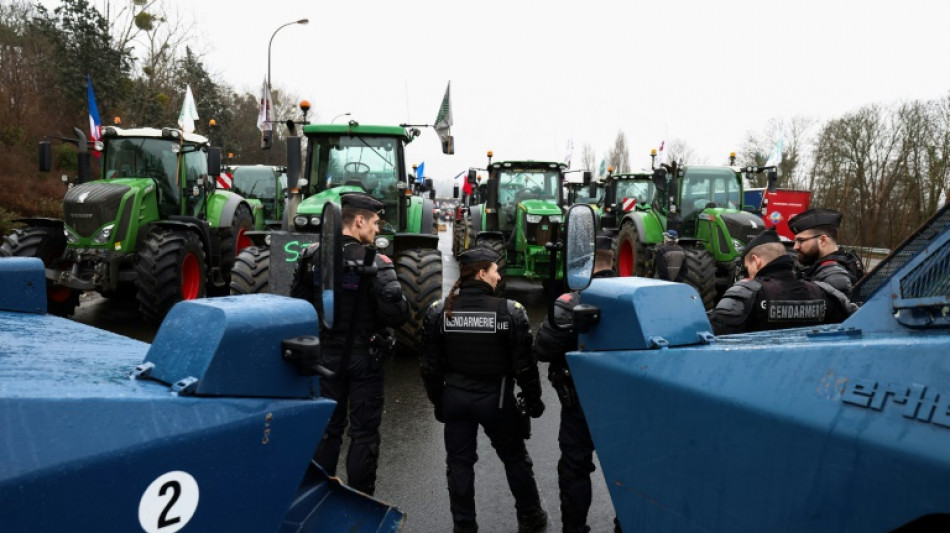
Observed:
{"x":885,"y":166}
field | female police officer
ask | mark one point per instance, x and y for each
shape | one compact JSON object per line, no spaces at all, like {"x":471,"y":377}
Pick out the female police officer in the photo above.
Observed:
{"x":474,"y":347}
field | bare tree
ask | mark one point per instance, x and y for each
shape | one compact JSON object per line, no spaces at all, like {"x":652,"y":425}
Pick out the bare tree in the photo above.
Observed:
{"x":589,"y":158}
{"x":619,"y":156}
{"x":796,"y":136}
{"x":682,"y":153}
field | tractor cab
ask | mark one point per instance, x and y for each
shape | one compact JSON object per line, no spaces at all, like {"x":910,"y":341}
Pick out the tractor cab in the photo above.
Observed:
{"x":261,"y":185}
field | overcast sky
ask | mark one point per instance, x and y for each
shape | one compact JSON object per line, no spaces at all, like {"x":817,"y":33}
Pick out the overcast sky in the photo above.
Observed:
{"x":529,"y":76}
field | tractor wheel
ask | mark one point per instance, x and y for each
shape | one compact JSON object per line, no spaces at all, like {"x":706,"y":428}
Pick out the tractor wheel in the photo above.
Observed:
{"x":420,"y":275}
{"x":469,"y":241}
{"x":170,"y":267}
{"x":48,"y":245}
{"x":498,"y":247}
{"x":630,"y":255}
{"x":702,"y":275}
{"x":251,"y":272}
{"x":233,"y":240}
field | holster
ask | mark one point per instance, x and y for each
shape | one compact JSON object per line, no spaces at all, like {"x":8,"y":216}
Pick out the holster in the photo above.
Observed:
{"x":564,"y":387}
{"x":382,"y":344}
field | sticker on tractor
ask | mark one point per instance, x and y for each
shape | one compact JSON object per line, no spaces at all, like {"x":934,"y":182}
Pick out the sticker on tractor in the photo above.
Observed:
{"x":168,"y":503}
{"x":629,"y":204}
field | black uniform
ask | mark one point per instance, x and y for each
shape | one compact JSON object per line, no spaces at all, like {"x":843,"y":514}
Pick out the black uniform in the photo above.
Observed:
{"x":358,"y":388}
{"x":671,"y":262}
{"x":469,"y":365}
{"x":839,"y":269}
{"x":777,"y":299}
{"x":577,"y":448}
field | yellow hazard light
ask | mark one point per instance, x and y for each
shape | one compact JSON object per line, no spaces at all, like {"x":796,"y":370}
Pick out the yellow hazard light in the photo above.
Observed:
{"x":117,"y":121}
{"x":653,"y":151}
{"x":732,"y":154}
{"x":304,"y":106}
{"x":489,"y":153}
{"x":118,"y":245}
{"x":212,"y":123}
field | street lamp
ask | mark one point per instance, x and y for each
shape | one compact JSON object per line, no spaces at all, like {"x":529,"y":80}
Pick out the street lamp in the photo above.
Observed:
{"x":340,"y":115}
{"x":301,"y":21}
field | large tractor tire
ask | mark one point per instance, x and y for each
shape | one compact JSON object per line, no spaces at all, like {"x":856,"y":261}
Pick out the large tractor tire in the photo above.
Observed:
{"x":497,"y":246}
{"x":251,"y":272}
{"x":170,"y":267}
{"x":630,"y":255}
{"x":702,"y":275}
{"x":420,"y":275}
{"x":47,"y":244}
{"x":233,"y":241}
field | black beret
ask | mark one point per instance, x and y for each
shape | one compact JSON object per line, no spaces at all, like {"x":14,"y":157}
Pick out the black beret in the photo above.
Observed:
{"x":814,"y":217}
{"x":767,"y":236}
{"x":478,"y":254}
{"x":361,"y":200}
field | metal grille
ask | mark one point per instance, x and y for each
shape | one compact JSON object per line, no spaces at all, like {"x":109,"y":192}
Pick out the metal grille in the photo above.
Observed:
{"x":88,"y":206}
{"x":930,"y":278}
{"x":868,"y":285}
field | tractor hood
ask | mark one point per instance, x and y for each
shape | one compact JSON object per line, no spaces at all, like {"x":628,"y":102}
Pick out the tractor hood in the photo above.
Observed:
{"x":89,"y":206}
{"x":314,"y":204}
{"x":540,"y":207}
{"x":742,"y":225}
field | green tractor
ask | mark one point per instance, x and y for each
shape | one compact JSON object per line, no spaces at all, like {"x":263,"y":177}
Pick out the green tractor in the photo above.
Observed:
{"x":702,"y":203}
{"x":521,"y":213}
{"x":463,"y":234}
{"x":264,"y":187}
{"x":153,"y":227}
{"x":352,"y":158}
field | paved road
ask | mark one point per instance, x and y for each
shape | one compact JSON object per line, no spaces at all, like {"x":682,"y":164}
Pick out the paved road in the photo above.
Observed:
{"x":412,"y":459}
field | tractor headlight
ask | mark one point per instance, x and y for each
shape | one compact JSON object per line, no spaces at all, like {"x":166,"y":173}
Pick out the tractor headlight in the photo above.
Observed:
{"x":381,"y":243}
{"x":554,"y":219}
{"x":104,"y":234}
{"x":315,"y":220}
{"x":737,"y":244}
{"x":300,"y":221}
{"x":71,"y":237}
{"x":533,"y":219}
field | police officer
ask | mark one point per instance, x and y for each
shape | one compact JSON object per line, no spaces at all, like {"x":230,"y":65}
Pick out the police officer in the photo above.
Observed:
{"x":773,"y":297}
{"x":577,"y":448}
{"x":357,"y":384}
{"x":670,"y":263}
{"x":475,"y":347}
{"x":816,"y":241}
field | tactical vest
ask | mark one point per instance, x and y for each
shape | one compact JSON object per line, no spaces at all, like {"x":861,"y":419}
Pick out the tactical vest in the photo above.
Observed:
{"x":476,"y":337}
{"x":367,"y":322}
{"x":790,"y":304}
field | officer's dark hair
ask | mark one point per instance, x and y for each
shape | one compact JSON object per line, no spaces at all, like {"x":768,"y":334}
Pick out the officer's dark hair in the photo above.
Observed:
{"x":830,"y":231}
{"x":348,"y":214}
{"x":465,"y":273}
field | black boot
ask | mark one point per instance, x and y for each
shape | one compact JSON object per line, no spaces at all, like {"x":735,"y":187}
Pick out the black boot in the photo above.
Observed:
{"x":534,"y":521}
{"x":465,"y":527}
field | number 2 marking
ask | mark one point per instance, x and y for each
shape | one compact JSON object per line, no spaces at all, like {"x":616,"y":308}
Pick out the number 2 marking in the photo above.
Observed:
{"x":163,"y":520}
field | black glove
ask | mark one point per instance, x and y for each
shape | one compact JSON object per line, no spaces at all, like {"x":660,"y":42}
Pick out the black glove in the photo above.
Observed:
{"x":438,"y":414}
{"x":535,"y":407}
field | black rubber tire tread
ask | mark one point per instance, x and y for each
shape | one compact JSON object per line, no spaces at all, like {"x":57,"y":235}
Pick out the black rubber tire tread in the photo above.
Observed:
{"x":469,"y":241}
{"x":702,"y":275}
{"x":251,"y":272}
{"x":497,"y":246}
{"x":242,"y":219}
{"x":628,"y":232}
{"x":48,"y":245}
{"x":420,"y":275}
{"x":158,"y":268}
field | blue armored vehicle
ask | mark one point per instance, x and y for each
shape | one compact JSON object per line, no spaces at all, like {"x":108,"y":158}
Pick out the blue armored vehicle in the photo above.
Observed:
{"x":210,"y":428}
{"x":832,"y":428}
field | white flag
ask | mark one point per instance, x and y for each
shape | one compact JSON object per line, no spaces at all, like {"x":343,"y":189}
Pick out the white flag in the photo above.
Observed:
{"x":661,"y":153}
{"x":776,"y":157}
{"x":189,"y":112}
{"x":443,"y":121}
{"x":265,"y":120}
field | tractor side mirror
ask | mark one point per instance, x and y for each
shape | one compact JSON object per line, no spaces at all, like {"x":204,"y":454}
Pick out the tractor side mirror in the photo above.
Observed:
{"x":267,"y":140}
{"x":46,"y":156}
{"x":587,"y":177}
{"x":293,"y":161}
{"x":214,"y":162}
{"x":472,"y":176}
{"x":579,"y":246}
{"x":455,"y":191}
{"x":430,"y":185}
{"x":772,"y":177}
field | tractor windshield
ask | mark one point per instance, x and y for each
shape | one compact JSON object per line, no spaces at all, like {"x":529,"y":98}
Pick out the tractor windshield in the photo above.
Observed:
{"x":144,"y":157}
{"x":708,"y":188}
{"x":517,"y":185}
{"x":642,"y":190}
{"x":260,"y":183}
{"x":369,"y":162}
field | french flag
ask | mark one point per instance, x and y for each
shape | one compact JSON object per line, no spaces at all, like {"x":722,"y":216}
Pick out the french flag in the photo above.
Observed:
{"x":95,"y":124}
